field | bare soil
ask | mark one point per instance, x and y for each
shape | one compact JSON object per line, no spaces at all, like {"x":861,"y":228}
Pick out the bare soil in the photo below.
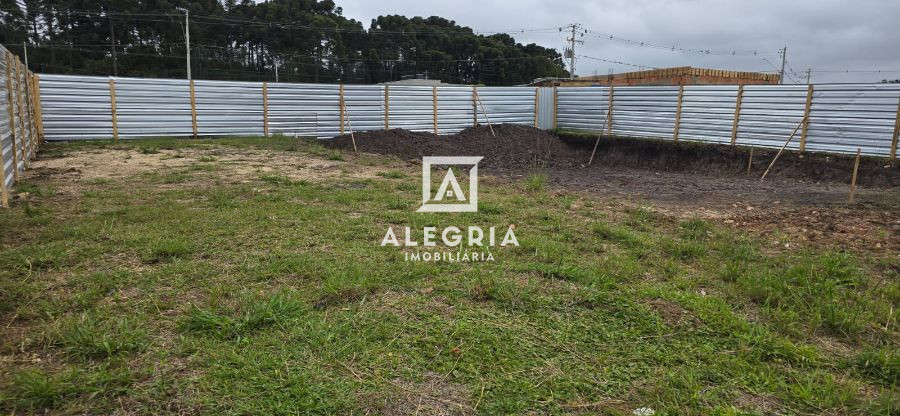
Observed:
{"x":804,"y":197}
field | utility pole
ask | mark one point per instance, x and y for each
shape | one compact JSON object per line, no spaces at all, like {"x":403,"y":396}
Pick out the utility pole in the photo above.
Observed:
{"x":25,"y":53}
{"x":808,"y":75}
{"x":187,"y":40}
{"x":112,"y":46}
{"x":783,"y":61}
{"x":570,"y":51}
{"x":275,"y":61}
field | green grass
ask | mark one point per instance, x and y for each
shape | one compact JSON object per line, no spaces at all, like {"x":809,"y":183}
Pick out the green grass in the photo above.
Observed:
{"x":187,"y":291}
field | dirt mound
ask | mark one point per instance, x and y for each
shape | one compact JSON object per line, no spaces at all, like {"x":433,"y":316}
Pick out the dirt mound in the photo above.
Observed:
{"x":514,"y":147}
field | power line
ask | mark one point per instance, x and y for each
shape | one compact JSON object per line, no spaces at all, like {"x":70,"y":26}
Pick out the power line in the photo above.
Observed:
{"x":617,"y":62}
{"x":673,"y":48}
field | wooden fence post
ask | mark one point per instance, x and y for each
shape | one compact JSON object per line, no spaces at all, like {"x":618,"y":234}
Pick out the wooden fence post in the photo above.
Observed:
{"x":265,"y":91}
{"x":112,"y":106}
{"x":341,"y":104}
{"x":193,"y":109}
{"x":537,"y":92}
{"x":474,"y":107}
{"x":555,"y":108}
{"x":896,"y":132}
{"x":32,"y":127}
{"x":387,"y":107}
{"x":809,"y":97}
{"x":39,"y":114}
{"x":434,"y":108}
{"x":737,"y":114}
{"x":609,"y":111}
{"x":678,"y":113}
{"x":12,"y":117}
{"x":26,"y":142}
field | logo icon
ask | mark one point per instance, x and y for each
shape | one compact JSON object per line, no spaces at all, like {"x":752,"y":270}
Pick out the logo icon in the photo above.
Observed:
{"x":449,"y":196}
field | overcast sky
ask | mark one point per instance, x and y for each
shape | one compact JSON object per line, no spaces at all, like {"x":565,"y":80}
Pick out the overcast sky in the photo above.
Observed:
{"x":825,"y":35}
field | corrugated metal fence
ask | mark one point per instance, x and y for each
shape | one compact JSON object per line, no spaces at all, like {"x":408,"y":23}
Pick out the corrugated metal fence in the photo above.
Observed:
{"x":834,"y":118}
{"x":83,"y":107}
{"x":828,"y":118}
{"x":20,"y":127}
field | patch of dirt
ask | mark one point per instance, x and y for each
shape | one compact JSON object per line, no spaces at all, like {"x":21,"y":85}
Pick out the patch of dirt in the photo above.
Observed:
{"x":76,"y":169}
{"x":434,"y":395}
{"x":763,"y":404}
{"x":672,"y":313}
{"x":804,"y":197}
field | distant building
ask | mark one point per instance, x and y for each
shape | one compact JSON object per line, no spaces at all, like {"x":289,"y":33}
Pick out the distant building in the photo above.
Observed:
{"x":682,"y":75}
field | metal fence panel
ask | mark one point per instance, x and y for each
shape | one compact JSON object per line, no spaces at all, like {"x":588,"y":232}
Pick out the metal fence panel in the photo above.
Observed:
{"x":545,"y":108}
{"x":707,"y":113}
{"x":6,"y":139}
{"x":511,"y":105}
{"x":364,"y":107}
{"x":582,"y":108}
{"x":76,"y":107}
{"x":644,"y":111}
{"x":769,"y":114}
{"x":310,"y":110}
{"x":412,"y":108}
{"x":455,"y":109}
{"x":153,"y":107}
{"x":850,"y":116}
{"x":226,"y":108}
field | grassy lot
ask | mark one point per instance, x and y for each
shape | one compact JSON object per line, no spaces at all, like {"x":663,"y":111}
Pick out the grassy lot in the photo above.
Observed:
{"x":195,"y":290}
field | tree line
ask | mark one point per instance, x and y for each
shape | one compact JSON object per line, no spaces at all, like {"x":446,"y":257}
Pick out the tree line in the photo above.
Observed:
{"x":300,"y":40}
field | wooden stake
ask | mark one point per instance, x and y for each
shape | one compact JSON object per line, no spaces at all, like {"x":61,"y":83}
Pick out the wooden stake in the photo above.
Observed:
{"x":12,"y":117}
{"x":387,"y":107}
{"x":555,"y":108}
{"x":265,"y":91}
{"x":486,"y":118}
{"x":609,"y":111}
{"x":597,"y":143}
{"x":896,"y":133}
{"x":781,"y":150}
{"x":349,"y":125}
{"x":750,"y":162}
{"x":678,"y":113}
{"x":341,"y":104}
{"x":537,"y":91}
{"x":112,"y":105}
{"x":737,"y":114}
{"x":809,"y":97}
{"x":853,"y":180}
{"x":193,"y":109}
{"x":434,"y":108}
{"x":29,"y":108}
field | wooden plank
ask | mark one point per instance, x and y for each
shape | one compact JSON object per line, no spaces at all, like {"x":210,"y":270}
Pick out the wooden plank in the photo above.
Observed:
{"x":678,"y":113}
{"x":112,"y":106}
{"x":434,"y":108}
{"x":387,"y":107}
{"x":609,"y":111}
{"x":341,"y":104}
{"x":737,"y":114}
{"x":555,"y":108}
{"x":474,"y":107}
{"x":265,"y":92}
{"x":29,"y":108}
{"x":853,"y":180}
{"x":26,"y":142}
{"x":193,"y":109}
{"x":809,"y":96}
{"x":39,"y":114}
{"x":896,"y":132}
{"x":537,"y":92}
{"x":12,"y":117}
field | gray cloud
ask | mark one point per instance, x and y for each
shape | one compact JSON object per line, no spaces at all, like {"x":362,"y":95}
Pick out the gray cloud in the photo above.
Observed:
{"x":822,"y":35}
